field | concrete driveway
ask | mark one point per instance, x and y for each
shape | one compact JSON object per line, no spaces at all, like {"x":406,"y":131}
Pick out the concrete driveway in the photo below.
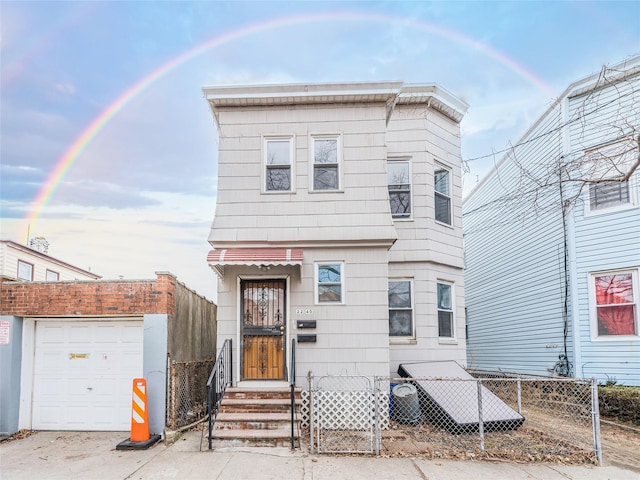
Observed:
{"x":81,"y":455}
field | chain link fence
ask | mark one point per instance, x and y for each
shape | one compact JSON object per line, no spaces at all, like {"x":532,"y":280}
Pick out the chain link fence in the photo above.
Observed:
{"x":527,"y":419}
{"x":187,"y":392}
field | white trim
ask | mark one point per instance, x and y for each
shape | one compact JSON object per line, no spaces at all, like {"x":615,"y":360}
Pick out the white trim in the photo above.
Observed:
{"x":454,"y":337}
{"x":343,"y":279}
{"x":450,"y":177}
{"x":409,"y":162}
{"x":265,"y":139}
{"x":407,"y":339}
{"x":593,"y":316}
{"x":312,"y":158}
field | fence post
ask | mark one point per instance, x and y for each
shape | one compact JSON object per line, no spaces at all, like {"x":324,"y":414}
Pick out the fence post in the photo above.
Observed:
{"x":376,"y":412}
{"x":480,"y":420}
{"x":311,"y":432}
{"x":173,"y":395}
{"x":595,"y":420}
{"x":519,"y":383}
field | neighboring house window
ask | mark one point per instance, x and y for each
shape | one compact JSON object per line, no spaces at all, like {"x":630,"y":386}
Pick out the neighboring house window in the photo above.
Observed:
{"x":52,"y":276}
{"x":445,"y":310}
{"x":400,"y":309}
{"x":326,"y":163}
{"x":616,"y":303}
{"x":603,"y":165}
{"x":442,"y":183}
{"x":399,"y":184}
{"x":278,"y":164}
{"x":25,"y":271}
{"x":329,"y":283}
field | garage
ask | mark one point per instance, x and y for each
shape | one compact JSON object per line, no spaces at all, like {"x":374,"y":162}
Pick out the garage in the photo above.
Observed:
{"x":83,"y":371}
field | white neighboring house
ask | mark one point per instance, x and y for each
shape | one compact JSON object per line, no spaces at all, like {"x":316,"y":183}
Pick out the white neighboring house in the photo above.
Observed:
{"x":18,"y":262}
{"x":552,"y":245}
{"x":338,"y":223}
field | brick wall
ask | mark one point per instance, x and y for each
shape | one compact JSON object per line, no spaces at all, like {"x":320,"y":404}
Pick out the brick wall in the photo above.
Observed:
{"x":106,"y":297}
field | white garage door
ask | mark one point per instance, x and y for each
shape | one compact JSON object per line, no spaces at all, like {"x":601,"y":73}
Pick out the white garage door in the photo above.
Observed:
{"x":83,"y":374}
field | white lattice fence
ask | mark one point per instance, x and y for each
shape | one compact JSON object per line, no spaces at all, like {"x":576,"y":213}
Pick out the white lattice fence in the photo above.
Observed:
{"x":344,"y":415}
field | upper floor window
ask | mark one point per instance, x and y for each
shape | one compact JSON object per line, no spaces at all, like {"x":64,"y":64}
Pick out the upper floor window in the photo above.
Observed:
{"x":445,"y":310}
{"x":329,"y":283}
{"x":326,"y":163}
{"x":52,"y":276}
{"x":400,"y":309}
{"x":399,"y":184}
{"x":615,"y":303}
{"x":278,"y":174}
{"x":603,"y":167}
{"x":25,"y":271}
{"x":442,"y":187}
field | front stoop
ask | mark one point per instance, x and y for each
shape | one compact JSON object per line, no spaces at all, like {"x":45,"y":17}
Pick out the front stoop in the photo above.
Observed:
{"x":259,"y":417}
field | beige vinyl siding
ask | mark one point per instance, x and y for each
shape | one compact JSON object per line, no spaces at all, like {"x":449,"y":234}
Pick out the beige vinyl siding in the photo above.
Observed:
{"x":427,"y":345}
{"x":281,"y":217}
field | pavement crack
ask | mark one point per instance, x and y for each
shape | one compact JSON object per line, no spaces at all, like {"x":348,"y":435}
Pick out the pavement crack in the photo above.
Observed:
{"x":419,"y":470}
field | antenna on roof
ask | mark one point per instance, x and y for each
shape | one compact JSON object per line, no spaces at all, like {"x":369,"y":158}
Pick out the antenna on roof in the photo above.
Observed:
{"x":39,"y":244}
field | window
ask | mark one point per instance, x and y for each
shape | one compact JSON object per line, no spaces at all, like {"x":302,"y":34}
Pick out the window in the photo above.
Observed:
{"x":603,"y":165}
{"x":400,"y":309}
{"x":445,"y":310}
{"x":442,"y":184}
{"x":326,"y":163}
{"x":25,"y":271}
{"x":278,"y":165}
{"x":399,"y":184}
{"x":329,"y":285}
{"x":616,"y":299}
{"x":52,"y":276}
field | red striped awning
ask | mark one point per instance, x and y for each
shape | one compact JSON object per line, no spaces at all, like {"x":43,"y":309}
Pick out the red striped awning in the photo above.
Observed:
{"x":218,"y":258}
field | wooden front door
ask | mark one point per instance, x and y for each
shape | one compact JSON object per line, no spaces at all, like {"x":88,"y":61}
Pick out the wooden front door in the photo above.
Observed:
{"x":263,"y":329}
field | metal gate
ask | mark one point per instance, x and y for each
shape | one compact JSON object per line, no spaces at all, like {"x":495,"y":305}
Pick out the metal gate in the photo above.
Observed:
{"x":343,"y":415}
{"x":263,"y":329}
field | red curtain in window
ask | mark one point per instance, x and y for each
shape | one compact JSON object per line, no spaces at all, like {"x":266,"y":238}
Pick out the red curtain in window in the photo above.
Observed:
{"x":615,"y":304}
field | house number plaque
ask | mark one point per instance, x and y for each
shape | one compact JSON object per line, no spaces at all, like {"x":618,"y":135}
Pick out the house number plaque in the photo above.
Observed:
{"x":304,"y":311}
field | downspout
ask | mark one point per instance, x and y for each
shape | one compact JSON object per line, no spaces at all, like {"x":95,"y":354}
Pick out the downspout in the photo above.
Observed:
{"x":570,"y":310}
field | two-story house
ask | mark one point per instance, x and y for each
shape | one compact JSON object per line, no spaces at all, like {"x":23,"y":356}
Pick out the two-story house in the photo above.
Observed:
{"x":338,"y":223}
{"x":552,"y":240}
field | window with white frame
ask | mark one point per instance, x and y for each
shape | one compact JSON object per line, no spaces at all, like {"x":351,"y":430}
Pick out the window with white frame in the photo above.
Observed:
{"x":604,"y":166}
{"x":326,"y":162}
{"x":442,"y":187}
{"x":399,"y":185}
{"x":446,"y":326}
{"x":400,"y":309}
{"x":25,"y":271}
{"x":330,"y":282}
{"x":278,"y":161}
{"x":614,"y":303}
{"x":52,"y":276}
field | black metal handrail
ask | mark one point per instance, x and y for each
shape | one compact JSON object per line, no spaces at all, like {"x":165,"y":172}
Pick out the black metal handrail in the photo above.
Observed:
{"x":292,"y":384}
{"x":221,"y":377}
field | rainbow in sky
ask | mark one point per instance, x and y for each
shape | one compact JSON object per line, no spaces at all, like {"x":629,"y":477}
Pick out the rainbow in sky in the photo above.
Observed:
{"x":86,"y":136}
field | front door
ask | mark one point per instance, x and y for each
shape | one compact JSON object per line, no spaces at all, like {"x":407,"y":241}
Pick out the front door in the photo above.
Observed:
{"x":263,"y":329}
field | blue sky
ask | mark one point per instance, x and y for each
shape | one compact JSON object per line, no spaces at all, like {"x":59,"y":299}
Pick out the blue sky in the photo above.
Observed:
{"x":140,"y":196}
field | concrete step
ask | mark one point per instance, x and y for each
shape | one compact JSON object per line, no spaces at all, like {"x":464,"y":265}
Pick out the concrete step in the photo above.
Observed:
{"x":260,"y":393}
{"x":256,"y":417}
{"x":255,"y":438}
{"x":254,"y":421}
{"x":265,"y":405}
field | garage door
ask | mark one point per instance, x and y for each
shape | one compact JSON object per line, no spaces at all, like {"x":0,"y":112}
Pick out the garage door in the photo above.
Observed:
{"x":83,"y":373}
